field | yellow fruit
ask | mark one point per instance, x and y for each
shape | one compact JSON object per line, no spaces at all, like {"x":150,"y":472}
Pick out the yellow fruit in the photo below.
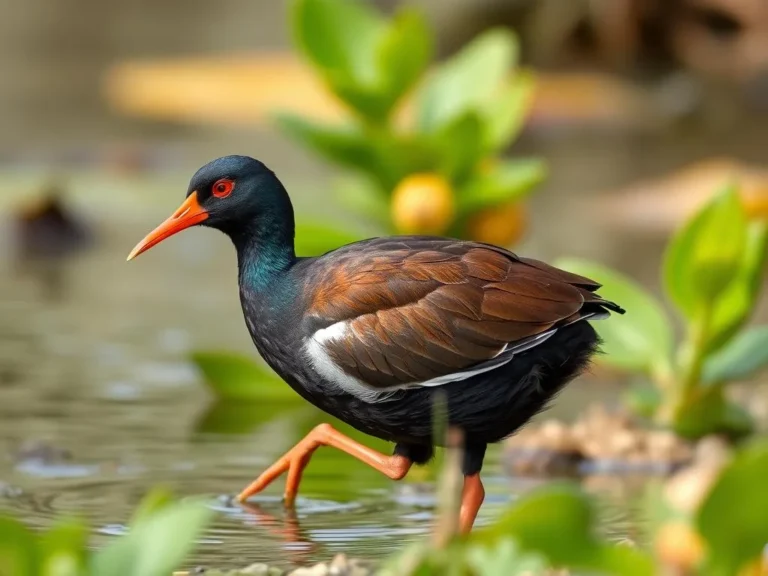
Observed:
{"x":423,"y":204}
{"x":502,"y":225}
{"x":678,"y":546}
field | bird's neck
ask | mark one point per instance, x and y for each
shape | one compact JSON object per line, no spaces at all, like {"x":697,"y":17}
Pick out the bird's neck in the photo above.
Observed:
{"x":265,"y":251}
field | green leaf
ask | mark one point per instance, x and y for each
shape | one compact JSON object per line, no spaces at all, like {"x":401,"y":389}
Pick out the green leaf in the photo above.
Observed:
{"x":505,"y":115}
{"x":339,"y":36}
{"x":709,"y":412}
{"x":64,"y":549}
{"x":243,"y":417}
{"x":315,"y":239}
{"x":19,"y":554}
{"x":506,"y":181}
{"x":642,"y":338}
{"x":151,"y":504}
{"x":734,"y":306}
{"x":347,"y":146}
{"x":404,"y":53}
{"x":235,"y":377}
{"x":468,"y":80}
{"x":460,"y":145}
{"x":559,"y":522}
{"x":732,"y":519}
{"x":741,"y":358}
{"x":157,"y":545}
{"x":705,"y":255}
{"x":504,"y":559}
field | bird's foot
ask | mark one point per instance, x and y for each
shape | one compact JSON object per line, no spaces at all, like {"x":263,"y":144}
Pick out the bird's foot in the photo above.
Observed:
{"x":296,"y":459}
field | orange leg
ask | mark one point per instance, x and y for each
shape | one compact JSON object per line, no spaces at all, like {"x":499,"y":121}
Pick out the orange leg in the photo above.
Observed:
{"x":295,"y":460}
{"x":472,"y":497}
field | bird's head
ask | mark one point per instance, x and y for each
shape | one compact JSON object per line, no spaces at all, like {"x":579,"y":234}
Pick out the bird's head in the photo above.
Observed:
{"x":235,"y":194}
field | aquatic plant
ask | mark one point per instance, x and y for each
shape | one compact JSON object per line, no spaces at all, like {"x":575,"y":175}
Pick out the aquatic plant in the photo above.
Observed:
{"x":712,"y":273}
{"x":717,"y":528}
{"x":162,"y":533}
{"x":426,"y":162}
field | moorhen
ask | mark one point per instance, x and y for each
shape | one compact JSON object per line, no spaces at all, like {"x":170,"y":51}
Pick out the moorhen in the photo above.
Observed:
{"x":370,"y":332}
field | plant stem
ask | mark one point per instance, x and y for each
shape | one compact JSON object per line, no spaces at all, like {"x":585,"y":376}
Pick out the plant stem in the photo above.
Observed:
{"x":695,"y":353}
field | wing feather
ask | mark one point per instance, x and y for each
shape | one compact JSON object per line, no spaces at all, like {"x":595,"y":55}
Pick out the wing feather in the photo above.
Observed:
{"x":420,"y":311}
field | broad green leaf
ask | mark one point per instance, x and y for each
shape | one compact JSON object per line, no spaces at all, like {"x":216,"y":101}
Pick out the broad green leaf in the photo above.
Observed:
{"x":64,"y":550}
{"x":506,"y":181}
{"x":642,"y":338}
{"x":734,"y":306}
{"x":504,"y":558}
{"x":347,"y":146}
{"x":315,"y":239}
{"x":559,"y":522}
{"x":468,"y":80}
{"x":158,"y":545}
{"x":710,"y":412}
{"x":236,"y":377}
{"x":339,"y":36}
{"x":19,"y":554}
{"x":704,"y":256}
{"x":157,"y":499}
{"x":505,"y":115}
{"x":383,"y":156}
{"x":243,"y":417}
{"x":741,"y":358}
{"x":404,"y":53}
{"x":732,"y":518}
{"x":460,"y":143}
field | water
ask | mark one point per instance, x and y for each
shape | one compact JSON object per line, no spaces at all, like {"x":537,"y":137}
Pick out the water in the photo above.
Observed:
{"x":98,"y":404}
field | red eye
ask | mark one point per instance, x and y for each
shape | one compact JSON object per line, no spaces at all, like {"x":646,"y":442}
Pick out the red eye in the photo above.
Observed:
{"x":223,"y":188}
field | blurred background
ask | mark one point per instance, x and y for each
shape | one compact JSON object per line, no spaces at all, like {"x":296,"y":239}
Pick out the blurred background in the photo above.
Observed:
{"x":641,"y":109}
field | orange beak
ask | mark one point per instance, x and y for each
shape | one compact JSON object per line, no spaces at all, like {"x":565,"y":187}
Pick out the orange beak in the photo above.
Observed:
{"x":188,"y":214}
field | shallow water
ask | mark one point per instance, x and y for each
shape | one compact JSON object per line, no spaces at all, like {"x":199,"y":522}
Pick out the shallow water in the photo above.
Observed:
{"x":98,"y":404}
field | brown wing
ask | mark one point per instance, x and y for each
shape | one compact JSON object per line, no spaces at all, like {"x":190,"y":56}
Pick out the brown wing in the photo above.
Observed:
{"x":417,"y":309}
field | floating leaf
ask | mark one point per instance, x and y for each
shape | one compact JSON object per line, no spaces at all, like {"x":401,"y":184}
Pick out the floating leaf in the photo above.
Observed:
{"x":705,"y":255}
{"x":741,"y":358}
{"x":236,"y":377}
{"x":559,"y":522}
{"x":18,"y":549}
{"x":245,"y":416}
{"x":315,"y":239}
{"x":642,"y":338}
{"x":732,"y":519}
{"x":504,"y":182}
{"x":64,"y":550}
{"x":157,"y":545}
{"x":467,"y":81}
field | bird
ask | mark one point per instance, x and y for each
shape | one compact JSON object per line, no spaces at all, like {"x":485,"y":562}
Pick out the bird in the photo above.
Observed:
{"x":372,"y":333}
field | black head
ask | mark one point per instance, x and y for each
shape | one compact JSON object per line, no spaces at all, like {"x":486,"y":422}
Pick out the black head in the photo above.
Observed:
{"x":235,"y":194}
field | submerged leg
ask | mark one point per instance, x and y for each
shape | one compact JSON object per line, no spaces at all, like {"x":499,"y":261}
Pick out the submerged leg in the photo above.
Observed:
{"x":472,"y":497}
{"x":295,"y":460}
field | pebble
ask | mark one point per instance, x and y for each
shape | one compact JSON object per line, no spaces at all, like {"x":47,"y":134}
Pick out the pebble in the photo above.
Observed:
{"x":598,"y":441}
